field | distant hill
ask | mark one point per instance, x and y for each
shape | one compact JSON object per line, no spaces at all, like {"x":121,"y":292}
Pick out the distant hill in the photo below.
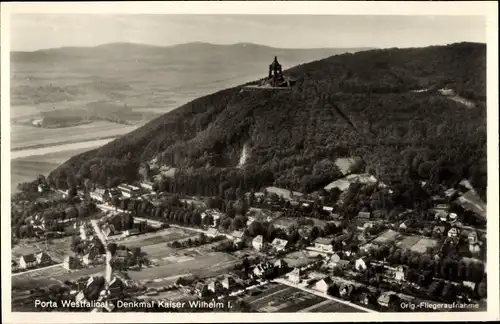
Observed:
{"x":145,"y":78}
{"x":381,"y":105}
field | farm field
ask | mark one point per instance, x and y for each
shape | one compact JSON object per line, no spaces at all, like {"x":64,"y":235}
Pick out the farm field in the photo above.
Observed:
{"x":28,"y":136}
{"x":299,"y":258}
{"x":183,"y":265}
{"x":25,"y":169}
{"x":386,"y":237}
{"x":424,"y":243}
{"x":282,"y":298}
{"x":57,"y":249}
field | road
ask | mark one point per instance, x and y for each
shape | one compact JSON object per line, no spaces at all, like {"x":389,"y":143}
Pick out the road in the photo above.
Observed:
{"x":37,"y":269}
{"x":311,"y":291}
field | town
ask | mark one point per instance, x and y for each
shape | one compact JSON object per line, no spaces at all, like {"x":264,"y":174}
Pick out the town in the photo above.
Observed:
{"x":353,"y":246}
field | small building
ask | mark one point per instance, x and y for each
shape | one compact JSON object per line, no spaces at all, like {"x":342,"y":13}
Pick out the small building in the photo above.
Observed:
{"x":148,"y":185}
{"x":384,"y":299}
{"x":364,"y":215}
{"x":90,"y":257}
{"x":324,"y":244}
{"x":128,"y":190}
{"x":70,"y":262}
{"x":99,"y":194}
{"x":214,"y":213}
{"x":452,"y":217}
{"x":453,"y":232}
{"x":228,"y":283}
{"x":438,"y":230}
{"x":403,"y":226}
{"x":131,"y":232}
{"x":108,"y":230}
{"x":399,"y":274}
{"x":280,"y":264}
{"x":27,"y":261}
{"x":294,"y":276}
{"x":279,"y":245}
{"x":469,"y":284}
{"x":258,"y":242}
{"x":237,"y":236}
{"x":212,"y":232}
{"x":324,"y":285}
{"x":475,"y":248}
{"x":328,"y":209}
{"x":215,"y":287}
{"x":263,"y":269}
{"x":201,"y":289}
{"x":472,"y":237}
{"x":360,"y":264}
{"x":14,"y":265}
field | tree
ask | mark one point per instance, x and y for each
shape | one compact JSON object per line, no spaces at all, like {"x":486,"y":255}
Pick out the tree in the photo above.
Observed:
{"x":112,"y":248}
{"x":394,"y":303}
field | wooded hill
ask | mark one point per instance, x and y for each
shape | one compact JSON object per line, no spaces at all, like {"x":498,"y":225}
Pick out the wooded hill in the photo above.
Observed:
{"x":382,"y":105}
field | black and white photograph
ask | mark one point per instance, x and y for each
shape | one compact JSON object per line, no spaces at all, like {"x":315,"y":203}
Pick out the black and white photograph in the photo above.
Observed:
{"x":272,"y":162}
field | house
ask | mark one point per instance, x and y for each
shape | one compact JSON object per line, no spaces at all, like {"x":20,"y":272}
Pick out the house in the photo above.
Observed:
{"x":215,"y":287}
{"x":399,"y":274}
{"x":148,"y":185}
{"x":212,"y":232}
{"x":228,"y":283}
{"x":108,"y":231}
{"x":14,"y":265}
{"x":384,"y":299}
{"x":27,"y":261}
{"x":99,"y":194}
{"x":294,"y":276}
{"x":122,"y":255}
{"x":279,"y":244}
{"x":438,"y":230}
{"x":43,"y":187}
{"x":469,"y":284}
{"x":453,"y":232}
{"x":364,"y":215}
{"x":128,"y":190}
{"x":237,"y":236}
{"x":130,"y":232}
{"x":328,"y":209}
{"x":452,"y":217}
{"x":214,"y":213}
{"x":345,"y":289}
{"x":280,"y":264}
{"x":324,"y":244}
{"x":360,"y":264}
{"x":403,"y":226}
{"x":258,"y":242}
{"x":263,"y":269}
{"x":323,"y":285}
{"x":472,"y":237}
{"x":475,"y":248}
{"x":89,"y":258}
{"x":80,"y":297}
{"x":70,"y":262}
{"x":201,"y":289}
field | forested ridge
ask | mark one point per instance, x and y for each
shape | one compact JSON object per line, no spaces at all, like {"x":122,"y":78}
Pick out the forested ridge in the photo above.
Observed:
{"x":363,"y":104}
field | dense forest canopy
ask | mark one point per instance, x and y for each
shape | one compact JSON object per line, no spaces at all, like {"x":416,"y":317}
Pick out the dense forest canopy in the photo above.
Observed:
{"x":381,"y":105}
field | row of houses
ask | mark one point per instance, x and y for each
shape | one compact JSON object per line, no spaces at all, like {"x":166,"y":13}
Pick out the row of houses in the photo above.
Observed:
{"x":33,"y":260}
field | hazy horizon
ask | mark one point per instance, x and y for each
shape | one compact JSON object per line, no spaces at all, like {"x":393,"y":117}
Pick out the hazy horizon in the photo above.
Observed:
{"x":32,"y":32}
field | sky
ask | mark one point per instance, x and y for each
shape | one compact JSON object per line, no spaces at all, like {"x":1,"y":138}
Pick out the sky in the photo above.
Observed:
{"x":31,"y":32}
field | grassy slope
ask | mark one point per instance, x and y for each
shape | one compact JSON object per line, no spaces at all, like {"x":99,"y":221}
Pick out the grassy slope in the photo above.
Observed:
{"x":347,"y":104}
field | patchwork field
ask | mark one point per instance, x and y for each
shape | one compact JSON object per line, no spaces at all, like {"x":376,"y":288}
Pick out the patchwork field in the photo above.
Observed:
{"x":285,"y":299}
{"x":424,"y":243}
